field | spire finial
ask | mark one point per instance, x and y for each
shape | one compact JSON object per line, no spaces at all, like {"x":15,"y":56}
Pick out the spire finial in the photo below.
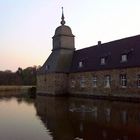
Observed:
{"x":62,"y":21}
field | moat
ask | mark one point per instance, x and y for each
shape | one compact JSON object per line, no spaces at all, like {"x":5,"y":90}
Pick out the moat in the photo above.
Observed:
{"x":60,"y":118}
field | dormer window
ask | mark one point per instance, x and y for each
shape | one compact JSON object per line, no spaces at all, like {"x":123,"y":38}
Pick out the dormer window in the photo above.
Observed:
{"x":103,"y":61}
{"x":80,"y":64}
{"x":124,"y":58}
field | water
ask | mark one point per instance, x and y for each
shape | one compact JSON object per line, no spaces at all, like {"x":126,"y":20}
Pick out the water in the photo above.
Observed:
{"x":18,"y":121}
{"x":50,"y":118}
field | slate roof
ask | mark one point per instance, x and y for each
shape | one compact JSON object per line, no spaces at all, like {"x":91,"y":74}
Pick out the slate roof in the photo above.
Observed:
{"x":112,"y":52}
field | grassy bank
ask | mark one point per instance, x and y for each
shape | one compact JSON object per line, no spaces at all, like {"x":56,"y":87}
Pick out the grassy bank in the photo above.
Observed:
{"x":9,"y":88}
{"x":14,"y":90}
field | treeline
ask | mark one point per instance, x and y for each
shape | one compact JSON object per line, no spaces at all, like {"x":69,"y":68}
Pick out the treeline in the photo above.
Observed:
{"x":20,"y":77}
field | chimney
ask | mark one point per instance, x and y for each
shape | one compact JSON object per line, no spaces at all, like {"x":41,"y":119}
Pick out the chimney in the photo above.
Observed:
{"x":99,"y":43}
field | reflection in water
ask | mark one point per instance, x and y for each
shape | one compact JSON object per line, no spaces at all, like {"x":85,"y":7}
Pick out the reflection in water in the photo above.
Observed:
{"x":86,"y":119}
{"x":57,"y":118}
{"x":18,"y":120}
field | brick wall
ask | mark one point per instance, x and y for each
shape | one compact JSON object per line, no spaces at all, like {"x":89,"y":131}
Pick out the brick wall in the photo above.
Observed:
{"x":77,"y":86}
{"x":52,"y":83}
{"x":82,"y":83}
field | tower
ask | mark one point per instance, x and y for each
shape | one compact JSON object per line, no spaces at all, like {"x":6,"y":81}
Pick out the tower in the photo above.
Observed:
{"x":63,"y":38}
{"x":52,"y":76}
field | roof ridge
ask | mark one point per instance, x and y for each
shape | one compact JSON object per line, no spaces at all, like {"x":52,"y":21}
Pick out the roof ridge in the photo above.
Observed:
{"x":110,"y":42}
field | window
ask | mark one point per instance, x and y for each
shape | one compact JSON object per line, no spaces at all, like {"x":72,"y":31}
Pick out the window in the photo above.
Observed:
{"x":124,"y":117}
{"x":103,"y":61}
{"x":73,"y":83}
{"x":80,"y":64}
{"x":138,"y":81}
{"x":108,"y":114}
{"x":47,"y":67}
{"x":94,"y":81}
{"x":82,"y":82}
{"x":123,"y":80}
{"x":107,"y":81}
{"x":124,"y":58}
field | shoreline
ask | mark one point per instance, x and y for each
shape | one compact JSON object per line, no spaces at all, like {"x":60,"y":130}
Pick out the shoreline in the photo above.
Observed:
{"x":97,"y":97}
{"x":15,"y":90}
{"x":14,"y":87}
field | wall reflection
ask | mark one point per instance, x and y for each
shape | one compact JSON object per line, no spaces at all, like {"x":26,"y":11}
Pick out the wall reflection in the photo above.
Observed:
{"x":86,"y":119}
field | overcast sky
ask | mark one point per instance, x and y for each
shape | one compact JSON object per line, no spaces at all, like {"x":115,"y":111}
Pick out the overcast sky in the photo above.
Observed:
{"x":27,"y":26}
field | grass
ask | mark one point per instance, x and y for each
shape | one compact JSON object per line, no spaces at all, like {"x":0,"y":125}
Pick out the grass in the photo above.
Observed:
{"x":15,"y":88}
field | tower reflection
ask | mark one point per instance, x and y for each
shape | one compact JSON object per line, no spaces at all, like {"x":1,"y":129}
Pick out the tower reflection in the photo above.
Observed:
{"x":87,"y":119}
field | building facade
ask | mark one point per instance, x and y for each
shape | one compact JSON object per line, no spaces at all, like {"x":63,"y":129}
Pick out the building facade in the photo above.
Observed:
{"x":108,"y":69}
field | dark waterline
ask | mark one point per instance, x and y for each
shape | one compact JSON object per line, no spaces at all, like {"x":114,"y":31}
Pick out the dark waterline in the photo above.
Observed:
{"x":59,"y":118}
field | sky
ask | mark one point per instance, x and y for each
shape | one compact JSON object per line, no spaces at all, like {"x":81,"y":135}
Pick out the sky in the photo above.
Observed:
{"x":27,"y":26}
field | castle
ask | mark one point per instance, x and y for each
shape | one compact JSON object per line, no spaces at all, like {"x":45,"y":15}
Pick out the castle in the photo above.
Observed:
{"x":108,"y":69}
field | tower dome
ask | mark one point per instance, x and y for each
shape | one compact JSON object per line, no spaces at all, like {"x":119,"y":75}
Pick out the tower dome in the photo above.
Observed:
{"x":63,"y":37}
{"x":63,"y":30}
